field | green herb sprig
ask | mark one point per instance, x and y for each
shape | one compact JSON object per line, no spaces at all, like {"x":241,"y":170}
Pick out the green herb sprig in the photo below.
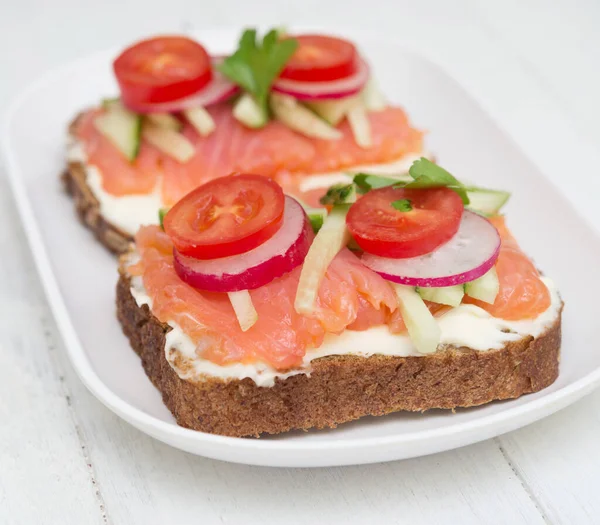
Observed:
{"x":256,"y":64}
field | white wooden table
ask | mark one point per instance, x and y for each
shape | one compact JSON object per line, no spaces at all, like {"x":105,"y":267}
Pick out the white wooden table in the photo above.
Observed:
{"x":65,"y":459}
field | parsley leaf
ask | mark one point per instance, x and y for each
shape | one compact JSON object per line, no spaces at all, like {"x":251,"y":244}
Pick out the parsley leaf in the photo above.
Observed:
{"x":402,"y":205}
{"x":427,"y":174}
{"x":255,"y":65}
{"x":365,"y":182}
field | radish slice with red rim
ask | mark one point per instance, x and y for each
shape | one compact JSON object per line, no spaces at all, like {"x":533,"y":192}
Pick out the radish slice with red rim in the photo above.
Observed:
{"x":219,"y":89}
{"x":468,"y":255}
{"x":275,"y":257}
{"x":344,"y":87}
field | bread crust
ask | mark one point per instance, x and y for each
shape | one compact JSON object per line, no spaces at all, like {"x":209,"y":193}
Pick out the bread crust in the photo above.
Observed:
{"x":74,"y":180}
{"x":339,"y":388}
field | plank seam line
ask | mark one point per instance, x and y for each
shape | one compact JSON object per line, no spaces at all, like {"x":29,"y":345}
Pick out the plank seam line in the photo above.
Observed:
{"x":526,"y":487}
{"x":51,"y":346}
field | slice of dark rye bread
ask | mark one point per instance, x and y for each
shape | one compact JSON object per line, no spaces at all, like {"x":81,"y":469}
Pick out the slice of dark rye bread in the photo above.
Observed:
{"x":339,"y":388}
{"x":74,"y":179}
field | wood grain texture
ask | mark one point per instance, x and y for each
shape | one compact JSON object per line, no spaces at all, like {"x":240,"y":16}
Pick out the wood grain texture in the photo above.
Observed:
{"x":44,"y":475}
{"x":520,"y":59}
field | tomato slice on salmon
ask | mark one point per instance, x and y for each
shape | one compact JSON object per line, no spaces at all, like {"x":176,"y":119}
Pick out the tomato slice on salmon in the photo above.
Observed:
{"x":400,"y":222}
{"x":226,"y":216}
{"x":162,"y":69}
{"x":321,"y":58}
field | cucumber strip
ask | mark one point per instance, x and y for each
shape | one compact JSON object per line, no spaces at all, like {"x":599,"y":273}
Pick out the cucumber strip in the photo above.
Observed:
{"x":486,"y":202}
{"x":165,"y":120}
{"x":301,"y":119}
{"x":333,"y":111}
{"x":122,"y":128}
{"x":372,"y":97}
{"x":423,"y":329}
{"x":243,"y":308}
{"x":161,"y":216}
{"x":450,"y":295}
{"x":108,"y":103}
{"x":485,"y":288}
{"x":360,"y":126}
{"x":249,"y":113}
{"x":332,"y":238}
{"x":169,"y":142}
{"x":201,"y":120}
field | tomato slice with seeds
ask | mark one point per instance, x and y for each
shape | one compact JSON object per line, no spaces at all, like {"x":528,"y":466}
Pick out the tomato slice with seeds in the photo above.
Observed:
{"x":162,"y":69}
{"x":433,"y":217}
{"x":321,"y":58}
{"x":226,"y":216}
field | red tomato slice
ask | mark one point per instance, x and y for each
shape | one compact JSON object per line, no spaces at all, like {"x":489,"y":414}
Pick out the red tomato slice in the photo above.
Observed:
{"x":382,"y":230}
{"x":226,"y":216}
{"x":162,"y":69}
{"x":321,"y":58}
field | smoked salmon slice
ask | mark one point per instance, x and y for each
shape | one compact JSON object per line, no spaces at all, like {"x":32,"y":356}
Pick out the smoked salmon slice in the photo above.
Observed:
{"x":275,"y":151}
{"x":281,"y":336}
{"x":522,"y":295}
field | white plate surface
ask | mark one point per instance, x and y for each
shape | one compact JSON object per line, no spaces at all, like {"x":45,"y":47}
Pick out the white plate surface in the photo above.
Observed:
{"x":79,"y":275}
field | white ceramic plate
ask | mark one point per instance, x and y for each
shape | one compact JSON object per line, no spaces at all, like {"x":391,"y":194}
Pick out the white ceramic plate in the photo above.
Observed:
{"x":79,"y":275}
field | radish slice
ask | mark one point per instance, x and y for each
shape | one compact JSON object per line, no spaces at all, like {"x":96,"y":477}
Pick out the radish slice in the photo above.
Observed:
{"x":272,"y":259}
{"x":344,"y":87}
{"x":468,"y":255}
{"x":220,"y":88}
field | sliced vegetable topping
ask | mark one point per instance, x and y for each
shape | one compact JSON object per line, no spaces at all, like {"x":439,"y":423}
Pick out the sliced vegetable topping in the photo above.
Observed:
{"x":320,"y":58}
{"x":226,"y":216}
{"x":360,"y":126}
{"x":162,"y":69}
{"x":248,"y":112}
{"x":165,"y":120}
{"x":332,"y":237}
{"x":466,"y":256}
{"x":485,"y":288}
{"x":301,"y":119}
{"x":275,"y":257}
{"x":333,"y":111}
{"x":122,"y":128}
{"x":429,"y":219}
{"x":255,"y":65}
{"x":201,"y":120}
{"x":422,"y":327}
{"x":217,"y":90}
{"x":244,"y":309}
{"x":168,"y":141}
{"x":449,"y":295}
{"x":333,"y":89}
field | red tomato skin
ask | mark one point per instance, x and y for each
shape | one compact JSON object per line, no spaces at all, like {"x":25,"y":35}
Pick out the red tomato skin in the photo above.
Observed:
{"x":186,"y":225}
{"x":139,"y":76}
{"x":339,"y":59}
{"x":381,"y":230}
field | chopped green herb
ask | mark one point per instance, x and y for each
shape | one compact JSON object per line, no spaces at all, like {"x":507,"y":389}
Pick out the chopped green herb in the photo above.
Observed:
{"x":255,"y":65}
{"x":427,"y":174}
{"x":365,"y":182}
{"x":316,"y":216}
{"x":340,"y":194}
{"x":402,"y":205}
{"x":161,"y":216}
